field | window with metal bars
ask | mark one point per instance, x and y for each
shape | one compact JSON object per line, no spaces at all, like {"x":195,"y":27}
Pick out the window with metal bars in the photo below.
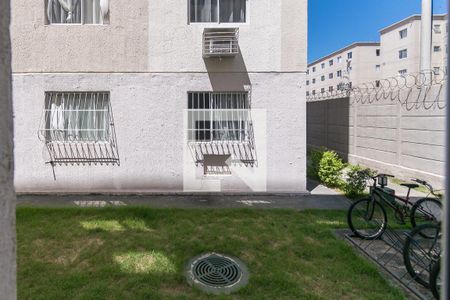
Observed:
{"x":218,"y":116}
{"x":76,"y":117}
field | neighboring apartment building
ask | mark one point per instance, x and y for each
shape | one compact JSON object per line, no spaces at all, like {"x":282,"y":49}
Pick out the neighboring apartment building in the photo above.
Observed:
{"x":350,"y":66}
{"x":398,"y":53}
{"x":400,"y":46}
{"x":160,"y":96}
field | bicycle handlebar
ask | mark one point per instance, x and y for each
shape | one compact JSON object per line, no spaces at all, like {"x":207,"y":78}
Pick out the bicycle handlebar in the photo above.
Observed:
{"x":424,"y":183}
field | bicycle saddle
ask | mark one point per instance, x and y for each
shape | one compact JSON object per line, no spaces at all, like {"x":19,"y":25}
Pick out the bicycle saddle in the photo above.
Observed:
{"x":410,"y":185}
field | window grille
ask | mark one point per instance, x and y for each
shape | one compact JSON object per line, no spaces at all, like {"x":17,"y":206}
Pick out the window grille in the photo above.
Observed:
{"x":218,"y":42}
{"x":77,"y":11}
{"x":78,"y":127}
{"x":219,"y":123}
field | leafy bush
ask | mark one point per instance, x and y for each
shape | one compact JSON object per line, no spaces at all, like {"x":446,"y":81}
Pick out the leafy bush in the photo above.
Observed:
{"x":356,"y":181}
{"x":314,"y":157}
{"x":330,"y":168}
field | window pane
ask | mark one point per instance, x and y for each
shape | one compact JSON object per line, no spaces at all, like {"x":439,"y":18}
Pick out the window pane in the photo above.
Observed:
{"x":91,"y":11}
{"x":77,"y":117}
{"x":232,"y":11}
{"x":203,"y":11}
{"x":67,"y":14}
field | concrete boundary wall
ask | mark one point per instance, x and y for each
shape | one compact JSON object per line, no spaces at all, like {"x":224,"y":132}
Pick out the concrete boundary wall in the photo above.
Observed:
{"x":399,"y":132}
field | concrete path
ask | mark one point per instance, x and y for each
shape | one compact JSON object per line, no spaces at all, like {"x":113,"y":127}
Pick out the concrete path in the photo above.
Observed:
{"x":319,"y":197}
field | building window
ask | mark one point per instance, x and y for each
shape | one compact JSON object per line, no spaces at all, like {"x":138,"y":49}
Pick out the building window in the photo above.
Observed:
{"x":218,"y":11}
{"x":339,"y":73}
{"x":314,"y":80}
{"x":331,"y":62}
{"x":217,"y":116}
{"x":378,"y":52}
{"x":437,"y":28}
{"x":339,"y":59}
{"x":377,"y":83}
{"x":323,"y":65}
{"x":350,"y":55}
{"x":307,"y":82}
{"x":330,"y":76}
{"x":436,"y":70}
{"x":437,"y":48}
{"x":314,"y":92}
{"x":76,"y":117}
{"x":330,"y":89}
{"x":403,"y":33}
{"x":402,"y":54}
{"x":314,"y":69}
{"x":307,"y":94}
{"x":77,"y":12}
{"x":402,"y":72}
{"x":322,"y":78}
{"x":377,"y":67}
{"x":307,"y":71}
{"x":322,"y":90}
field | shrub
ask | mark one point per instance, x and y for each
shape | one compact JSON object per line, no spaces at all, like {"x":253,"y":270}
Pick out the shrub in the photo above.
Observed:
{"x":314,"y":157}
{"x":330,"y":168}
{"x":356,"y":181}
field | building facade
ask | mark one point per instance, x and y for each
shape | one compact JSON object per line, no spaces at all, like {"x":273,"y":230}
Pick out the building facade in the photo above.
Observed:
{"x":350,"y":66}
{"x":180,"y":96}
{"x":400,"y":46}
{"x":397,"y":54}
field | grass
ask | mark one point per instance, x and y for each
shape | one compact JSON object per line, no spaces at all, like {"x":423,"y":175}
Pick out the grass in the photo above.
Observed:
{"x":140,"y":253}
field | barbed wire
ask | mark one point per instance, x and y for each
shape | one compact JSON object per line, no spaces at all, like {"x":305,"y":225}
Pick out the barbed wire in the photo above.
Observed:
{"x":414,"y":90}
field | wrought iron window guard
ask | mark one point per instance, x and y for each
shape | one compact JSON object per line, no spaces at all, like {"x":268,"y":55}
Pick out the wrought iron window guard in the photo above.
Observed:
{"x":78,"y":128}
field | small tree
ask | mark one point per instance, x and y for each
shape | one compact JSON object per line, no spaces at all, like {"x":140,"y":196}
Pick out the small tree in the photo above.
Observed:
{"x":357,"y":180}
{"x":330,"y":168}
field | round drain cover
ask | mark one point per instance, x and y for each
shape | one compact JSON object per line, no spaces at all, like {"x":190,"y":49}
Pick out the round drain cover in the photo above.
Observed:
{"x":216,"y":273}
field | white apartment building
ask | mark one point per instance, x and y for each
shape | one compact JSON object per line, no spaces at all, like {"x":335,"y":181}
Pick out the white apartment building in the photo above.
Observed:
{"x":353,"y":65}
{"x":159,"y":96}
{"x":400,"y":46}
{"x":397,"y":53}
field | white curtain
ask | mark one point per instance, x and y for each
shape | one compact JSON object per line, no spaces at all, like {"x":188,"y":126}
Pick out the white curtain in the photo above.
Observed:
{"x":72,"y":11}
{"x":64,"y":11}
{"x":232,"y":11}
{"x":204,"y":11}
{"x":79,"y":117}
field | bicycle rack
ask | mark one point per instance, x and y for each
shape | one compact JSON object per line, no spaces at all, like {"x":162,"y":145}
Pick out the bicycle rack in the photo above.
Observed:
{"x":387,"y":252}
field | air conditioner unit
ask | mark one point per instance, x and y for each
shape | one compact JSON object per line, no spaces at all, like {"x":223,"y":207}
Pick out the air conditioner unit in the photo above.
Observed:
{"x":220,"y":42}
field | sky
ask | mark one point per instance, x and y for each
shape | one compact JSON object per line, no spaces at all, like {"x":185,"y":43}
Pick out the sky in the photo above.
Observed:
{"x":334,"y":24}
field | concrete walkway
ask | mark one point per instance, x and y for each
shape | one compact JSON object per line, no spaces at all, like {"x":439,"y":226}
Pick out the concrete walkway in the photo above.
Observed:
{"x":319,"y":197}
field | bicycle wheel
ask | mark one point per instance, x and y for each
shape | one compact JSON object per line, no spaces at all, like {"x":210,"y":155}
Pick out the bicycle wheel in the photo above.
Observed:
{"x":426,"y":210}
{"x":367,"y":219}
{"x":435,"y":279}
{"x":421,"y":250}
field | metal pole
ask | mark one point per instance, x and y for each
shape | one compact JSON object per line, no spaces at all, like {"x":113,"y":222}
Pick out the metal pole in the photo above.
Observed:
{"x":426,"y":35}
{"x":446,"y":226}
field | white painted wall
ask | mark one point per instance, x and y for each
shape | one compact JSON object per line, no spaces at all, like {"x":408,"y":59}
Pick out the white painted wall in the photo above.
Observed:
{"x":148,"y":111}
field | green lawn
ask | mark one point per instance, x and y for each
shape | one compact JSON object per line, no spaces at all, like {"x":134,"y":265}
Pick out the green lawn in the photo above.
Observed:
{"x":140,"y":253}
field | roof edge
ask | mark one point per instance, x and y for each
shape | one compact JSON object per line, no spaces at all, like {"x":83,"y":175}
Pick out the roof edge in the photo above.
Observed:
{"x":346,"y":48}
{"x":409,"y":19}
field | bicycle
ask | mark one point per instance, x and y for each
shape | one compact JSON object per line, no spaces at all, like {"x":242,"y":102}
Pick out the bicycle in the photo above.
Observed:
{"x":421,"y":251}
{"x":435,"y":279}
{"x":367,"y":217}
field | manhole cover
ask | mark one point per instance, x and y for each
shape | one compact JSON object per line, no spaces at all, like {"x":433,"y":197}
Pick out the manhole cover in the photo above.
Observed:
{"x":216,"y":273}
